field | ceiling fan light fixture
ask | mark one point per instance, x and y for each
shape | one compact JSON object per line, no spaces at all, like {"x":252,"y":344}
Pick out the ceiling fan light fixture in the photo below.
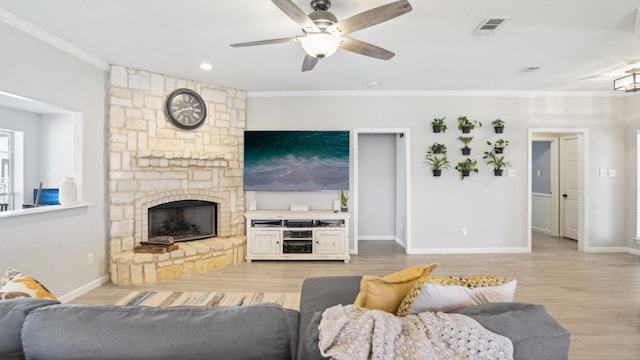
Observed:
{"x":628,"y":83}
{"x":320,"y":45}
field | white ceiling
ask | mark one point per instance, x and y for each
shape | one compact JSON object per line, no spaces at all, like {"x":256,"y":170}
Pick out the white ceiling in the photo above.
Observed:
{"x":579,"y":45}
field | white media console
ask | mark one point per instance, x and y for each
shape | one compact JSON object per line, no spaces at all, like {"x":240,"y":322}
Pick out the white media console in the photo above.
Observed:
{"x":297,"y":235}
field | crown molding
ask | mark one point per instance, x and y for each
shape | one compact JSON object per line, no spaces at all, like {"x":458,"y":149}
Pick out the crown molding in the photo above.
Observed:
{"x":419,"y":93}
{"x":43,"y":35}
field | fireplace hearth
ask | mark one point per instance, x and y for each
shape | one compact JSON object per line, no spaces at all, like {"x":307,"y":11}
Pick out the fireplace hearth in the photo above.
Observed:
{"x":184,"y":220}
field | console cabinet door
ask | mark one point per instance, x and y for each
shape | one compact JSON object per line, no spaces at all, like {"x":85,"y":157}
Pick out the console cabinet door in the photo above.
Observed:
{"x":330,"y":241}
{"x":266,"y":242}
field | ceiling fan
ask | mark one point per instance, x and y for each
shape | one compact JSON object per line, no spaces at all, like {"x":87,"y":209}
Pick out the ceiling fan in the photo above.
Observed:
{"x":323,"y":33}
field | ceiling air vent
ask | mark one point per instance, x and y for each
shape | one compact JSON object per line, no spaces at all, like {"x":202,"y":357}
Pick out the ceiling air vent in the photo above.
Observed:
{"x":490,"y":25}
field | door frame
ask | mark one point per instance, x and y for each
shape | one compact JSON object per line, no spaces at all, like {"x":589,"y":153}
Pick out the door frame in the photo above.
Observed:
{"x":406,"y":134}
{"x":583,"y":171}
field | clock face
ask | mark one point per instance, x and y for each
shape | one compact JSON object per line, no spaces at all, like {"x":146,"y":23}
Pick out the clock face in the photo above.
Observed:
{"x":185,"y":109}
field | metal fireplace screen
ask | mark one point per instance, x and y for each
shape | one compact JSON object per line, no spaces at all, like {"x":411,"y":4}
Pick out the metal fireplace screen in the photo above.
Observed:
{"x":184,"y":220}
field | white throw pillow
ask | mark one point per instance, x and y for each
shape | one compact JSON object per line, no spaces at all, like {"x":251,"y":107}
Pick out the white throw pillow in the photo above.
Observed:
{"x":448,"y":293}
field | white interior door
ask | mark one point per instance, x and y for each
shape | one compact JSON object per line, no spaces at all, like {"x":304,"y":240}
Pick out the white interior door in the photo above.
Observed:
{"x":569,"y":187}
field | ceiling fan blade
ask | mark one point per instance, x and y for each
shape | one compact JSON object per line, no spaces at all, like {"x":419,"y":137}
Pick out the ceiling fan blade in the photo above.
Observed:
{"x":296,"y":14}
{"x":309,"y":62}
{"x":267,"y":42}
{"x":363,"y":48}
{"x":370,"y":17}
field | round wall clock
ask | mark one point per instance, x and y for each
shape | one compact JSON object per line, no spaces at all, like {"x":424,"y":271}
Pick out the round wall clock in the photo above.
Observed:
{"x":185,"y":109}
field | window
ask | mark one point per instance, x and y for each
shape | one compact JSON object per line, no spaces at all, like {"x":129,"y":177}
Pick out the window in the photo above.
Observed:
{"x":638,"y":185}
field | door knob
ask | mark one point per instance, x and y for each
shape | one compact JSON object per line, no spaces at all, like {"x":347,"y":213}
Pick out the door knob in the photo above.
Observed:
{"x":564,"y":196}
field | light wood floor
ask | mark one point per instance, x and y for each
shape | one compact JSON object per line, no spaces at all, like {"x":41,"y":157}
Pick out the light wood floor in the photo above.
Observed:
{"x":595,"y":296}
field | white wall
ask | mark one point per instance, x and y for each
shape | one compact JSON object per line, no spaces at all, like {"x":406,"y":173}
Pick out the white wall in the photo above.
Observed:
{"x":632,"y":124}
{"x":493,"y":209}
{"x":53,"y":247}
{"x":56,"y":147}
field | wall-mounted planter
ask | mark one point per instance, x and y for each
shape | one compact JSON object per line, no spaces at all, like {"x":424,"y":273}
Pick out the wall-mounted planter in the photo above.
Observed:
{"x":465,"y":173}
{"x":466,"y":151}
{"x":498,"y":126}
{"x":466,"y":129}
{"x":498,"y":150}
{"x":497,"y":172}
{"x":436,"y":172}
{"x":438,"y":125}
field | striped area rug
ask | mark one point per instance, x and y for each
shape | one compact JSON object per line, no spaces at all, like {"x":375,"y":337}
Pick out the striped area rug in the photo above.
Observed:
{"x":177,"y":298}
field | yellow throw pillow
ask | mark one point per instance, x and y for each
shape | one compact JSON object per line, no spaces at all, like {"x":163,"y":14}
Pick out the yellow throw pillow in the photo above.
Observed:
{"x":18,"y":285}
{"x":449,"y":293}
{"x":385,"y":293}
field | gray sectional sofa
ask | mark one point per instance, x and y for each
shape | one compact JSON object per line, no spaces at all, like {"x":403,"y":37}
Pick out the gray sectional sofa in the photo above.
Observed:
{"x":44,"y":329}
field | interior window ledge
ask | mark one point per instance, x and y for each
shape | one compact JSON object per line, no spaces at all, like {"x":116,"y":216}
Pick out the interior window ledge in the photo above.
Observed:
{"x":41,"y":209}
{"x":637,"y":239}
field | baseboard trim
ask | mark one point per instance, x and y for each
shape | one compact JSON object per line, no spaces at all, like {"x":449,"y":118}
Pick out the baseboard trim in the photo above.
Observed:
{"x":633,"y":251}
{"x":541,"y":230}
{"x":518,"y":250}
{"x":599,"y":249}
{"x":84,"y":289}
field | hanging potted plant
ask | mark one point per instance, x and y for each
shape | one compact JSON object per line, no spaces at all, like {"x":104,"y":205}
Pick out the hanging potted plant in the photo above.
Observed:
{"x":438,"y":125}
{"x":466,"y":150}
{"x":437,"y":148}
{"x":498,"y":126}
{"x":466,"y":167}
{"x":499,"y":145}
{"x":497,"y":162}
{"x":344,"y":201}
{"x":467,"y":125}
{"x":437,"y":163}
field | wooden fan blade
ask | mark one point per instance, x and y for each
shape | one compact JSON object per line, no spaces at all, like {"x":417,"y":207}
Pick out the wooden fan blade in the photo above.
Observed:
{"x":363,"y":48}
{"x":267,"y":42}
{"x":370,"y":17}
{"x":296,"y":14}
{"x":309,"y":62}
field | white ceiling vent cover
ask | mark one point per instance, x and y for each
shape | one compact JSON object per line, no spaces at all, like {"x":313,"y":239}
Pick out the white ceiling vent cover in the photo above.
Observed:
{"x":489,"y":26}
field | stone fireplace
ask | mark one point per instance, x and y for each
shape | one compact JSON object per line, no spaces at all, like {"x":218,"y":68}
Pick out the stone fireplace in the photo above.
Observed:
{"x":153,"y":166}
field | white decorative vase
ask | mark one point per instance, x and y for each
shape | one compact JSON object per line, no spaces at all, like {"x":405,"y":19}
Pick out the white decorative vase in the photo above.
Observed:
{"x":68,"y":194}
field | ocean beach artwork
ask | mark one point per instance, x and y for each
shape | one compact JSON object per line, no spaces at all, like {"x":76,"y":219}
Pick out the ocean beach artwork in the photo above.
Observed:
{"x":296,"y":160}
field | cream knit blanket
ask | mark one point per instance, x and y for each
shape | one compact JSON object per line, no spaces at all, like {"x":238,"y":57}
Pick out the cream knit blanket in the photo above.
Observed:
{"x":351,"y":332}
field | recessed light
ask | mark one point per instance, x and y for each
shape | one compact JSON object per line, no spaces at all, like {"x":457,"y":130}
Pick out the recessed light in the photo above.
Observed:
{"x":206,"y":66}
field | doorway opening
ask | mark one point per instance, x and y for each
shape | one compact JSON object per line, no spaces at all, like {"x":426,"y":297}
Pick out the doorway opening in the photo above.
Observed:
{"x":381,"y":186}
{"x":557,"y":187}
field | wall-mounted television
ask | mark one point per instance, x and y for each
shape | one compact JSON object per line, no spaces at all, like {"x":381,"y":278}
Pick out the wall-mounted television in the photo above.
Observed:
{"x":296,"y":160}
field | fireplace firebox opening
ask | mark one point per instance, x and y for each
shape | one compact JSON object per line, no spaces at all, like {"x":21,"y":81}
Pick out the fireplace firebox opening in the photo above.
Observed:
{"x":184,"y":220}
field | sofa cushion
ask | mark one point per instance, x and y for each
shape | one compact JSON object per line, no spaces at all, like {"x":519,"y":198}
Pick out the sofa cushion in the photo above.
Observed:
{"x":262,"y":331}
{"x":534,"y":333}
{"x":448,"y":293}
{"x":385,"y":293}
{"x":318,"y":294}
{"x":12,"y":315}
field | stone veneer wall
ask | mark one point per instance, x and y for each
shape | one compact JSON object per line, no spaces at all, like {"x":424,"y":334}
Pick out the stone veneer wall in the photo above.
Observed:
{"x":151,"y":162}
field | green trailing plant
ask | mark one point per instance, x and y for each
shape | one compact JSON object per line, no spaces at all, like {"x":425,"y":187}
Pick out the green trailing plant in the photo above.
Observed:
{"x":344,"y":198}
{"x":497,"y":123}
{"x":499,"y":145}
{"x":437,"y":148}
{"x":466,"y":167}
{"x":498,"y":162}
{"x":467,"y":125}
{"x":438,"y":125}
